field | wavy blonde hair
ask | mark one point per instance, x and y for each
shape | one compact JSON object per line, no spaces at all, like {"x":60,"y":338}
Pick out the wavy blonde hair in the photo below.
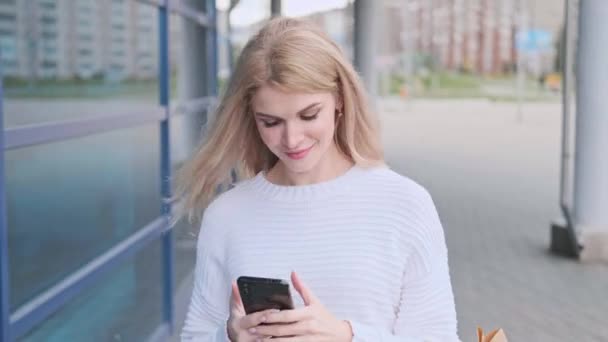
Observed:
{"x":294,"y":55}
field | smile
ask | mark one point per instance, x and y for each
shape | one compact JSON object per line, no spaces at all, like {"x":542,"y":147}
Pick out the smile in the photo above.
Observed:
{"x":299,"y":154}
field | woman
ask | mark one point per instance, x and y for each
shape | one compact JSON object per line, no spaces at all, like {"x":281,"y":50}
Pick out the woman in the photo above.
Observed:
{"x":316,"y":199}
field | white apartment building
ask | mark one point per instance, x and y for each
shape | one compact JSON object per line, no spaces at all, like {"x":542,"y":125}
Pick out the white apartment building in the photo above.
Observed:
{"x":113,"y":39}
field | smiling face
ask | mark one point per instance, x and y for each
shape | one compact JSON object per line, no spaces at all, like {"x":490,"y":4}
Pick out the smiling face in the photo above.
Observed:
{"x":297,"y":127}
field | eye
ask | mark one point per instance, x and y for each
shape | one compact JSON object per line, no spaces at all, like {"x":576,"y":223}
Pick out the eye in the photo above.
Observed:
{"x":270,"y":123}
{"x":310,"y":117}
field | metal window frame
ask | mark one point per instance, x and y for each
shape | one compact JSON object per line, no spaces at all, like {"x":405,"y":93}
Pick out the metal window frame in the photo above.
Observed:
{"x":4,"y":272}
{"x":23,"y":136}
{"x":165,"y":167}
{"x":35,"y":311}
{"x":212,"y":63}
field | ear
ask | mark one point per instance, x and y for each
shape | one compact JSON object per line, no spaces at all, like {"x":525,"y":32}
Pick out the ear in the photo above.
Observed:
{"x":339,"y":103}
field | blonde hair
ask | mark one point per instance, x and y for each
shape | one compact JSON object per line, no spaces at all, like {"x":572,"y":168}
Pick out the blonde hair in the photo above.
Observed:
{"x":294,"y":55}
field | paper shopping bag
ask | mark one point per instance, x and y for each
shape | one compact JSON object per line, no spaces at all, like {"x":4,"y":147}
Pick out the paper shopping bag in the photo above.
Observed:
{"x":494,"y":336}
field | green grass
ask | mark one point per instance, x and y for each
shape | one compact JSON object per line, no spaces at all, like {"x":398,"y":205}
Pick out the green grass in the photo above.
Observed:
{"x":453,"y":85}
{"x":441,"y":85}
{"x":455,"y":81}
{"x":75,"y":88}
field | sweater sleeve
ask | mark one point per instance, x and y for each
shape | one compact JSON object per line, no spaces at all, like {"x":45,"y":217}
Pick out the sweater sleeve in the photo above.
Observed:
{"x":426,"y":309}
{"x":209,"y":305}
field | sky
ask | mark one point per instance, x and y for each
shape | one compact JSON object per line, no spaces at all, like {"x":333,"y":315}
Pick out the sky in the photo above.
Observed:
{"x":251,"y":11}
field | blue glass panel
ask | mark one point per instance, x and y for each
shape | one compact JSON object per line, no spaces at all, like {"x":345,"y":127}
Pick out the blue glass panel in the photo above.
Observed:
{"x":126,"y":305}
{"x":70,"y":201}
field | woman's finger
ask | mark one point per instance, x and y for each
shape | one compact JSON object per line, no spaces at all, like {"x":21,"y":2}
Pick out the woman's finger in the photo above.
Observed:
{"x":255,"y":319}
{"x":300,"y":328}
{"x":306,"y":294}
{"x":289,"y":316}
{"x":236,"y":303}
{"x":292,"y":339}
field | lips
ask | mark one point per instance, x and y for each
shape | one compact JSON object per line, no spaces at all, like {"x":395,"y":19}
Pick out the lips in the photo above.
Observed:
{"x":298,"y":154}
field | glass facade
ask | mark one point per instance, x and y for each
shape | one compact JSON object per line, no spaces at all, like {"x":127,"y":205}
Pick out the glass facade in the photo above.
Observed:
{"x":72,"y":200}
{"x":93,"y":126}
{"x":117,"y":308}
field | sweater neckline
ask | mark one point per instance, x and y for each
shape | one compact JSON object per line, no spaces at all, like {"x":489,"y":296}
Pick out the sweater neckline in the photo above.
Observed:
{"x":261,"y":185}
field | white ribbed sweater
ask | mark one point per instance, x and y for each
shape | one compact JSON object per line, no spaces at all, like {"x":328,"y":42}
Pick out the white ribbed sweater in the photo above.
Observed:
{"x":369,"y":244}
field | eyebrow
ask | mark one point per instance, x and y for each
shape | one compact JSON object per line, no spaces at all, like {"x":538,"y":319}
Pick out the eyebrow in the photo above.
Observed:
{"x":301,"y":111}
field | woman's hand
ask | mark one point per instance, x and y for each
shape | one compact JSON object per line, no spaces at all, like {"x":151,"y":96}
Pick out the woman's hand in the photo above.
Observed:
{"x":239,"y":324}
{"x":310,"y":323}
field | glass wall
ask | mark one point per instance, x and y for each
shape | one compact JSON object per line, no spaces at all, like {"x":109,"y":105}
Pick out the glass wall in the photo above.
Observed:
{"x":72,"y":200}
{"x":93,"y":126}
{"x":123,"y":306}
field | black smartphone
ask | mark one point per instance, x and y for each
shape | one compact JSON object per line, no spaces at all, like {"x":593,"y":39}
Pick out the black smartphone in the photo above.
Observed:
{"x":260,"y":294}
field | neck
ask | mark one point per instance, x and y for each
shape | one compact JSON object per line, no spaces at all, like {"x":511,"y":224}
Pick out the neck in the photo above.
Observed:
{"x":330,"y":167}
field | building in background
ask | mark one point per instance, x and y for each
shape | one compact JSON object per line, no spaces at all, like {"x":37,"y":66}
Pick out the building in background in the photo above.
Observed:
{"x":8,"y":34}
{"x":65,"y":39}
{"x":478,"y":36}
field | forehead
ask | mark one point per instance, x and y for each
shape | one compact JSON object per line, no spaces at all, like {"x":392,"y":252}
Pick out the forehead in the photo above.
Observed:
{"x":277,"y":102}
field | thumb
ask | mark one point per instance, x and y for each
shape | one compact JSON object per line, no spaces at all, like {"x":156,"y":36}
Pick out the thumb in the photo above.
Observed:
{"x":306,"y":294}
{"x":236,"y":303}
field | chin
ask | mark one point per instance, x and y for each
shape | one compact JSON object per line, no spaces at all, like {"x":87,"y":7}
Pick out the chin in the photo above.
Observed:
{"x":300,"y":166}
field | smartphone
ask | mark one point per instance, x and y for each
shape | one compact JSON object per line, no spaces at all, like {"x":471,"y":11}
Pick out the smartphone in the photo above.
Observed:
{"x":260,"y":294}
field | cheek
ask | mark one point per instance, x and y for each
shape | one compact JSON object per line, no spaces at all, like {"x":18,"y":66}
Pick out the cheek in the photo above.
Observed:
{"x":270,"y":136}
{"x":323,"y":129}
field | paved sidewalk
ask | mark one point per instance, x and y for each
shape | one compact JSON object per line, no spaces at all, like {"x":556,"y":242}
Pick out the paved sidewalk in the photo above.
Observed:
{"x":494,"y":179}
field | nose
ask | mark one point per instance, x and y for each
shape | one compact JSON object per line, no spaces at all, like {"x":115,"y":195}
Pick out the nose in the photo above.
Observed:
{"x":291,"y":136}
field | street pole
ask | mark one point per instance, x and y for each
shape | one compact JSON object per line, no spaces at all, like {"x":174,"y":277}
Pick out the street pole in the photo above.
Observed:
{"x":366,"y":26}
{"x":591,"y":158}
